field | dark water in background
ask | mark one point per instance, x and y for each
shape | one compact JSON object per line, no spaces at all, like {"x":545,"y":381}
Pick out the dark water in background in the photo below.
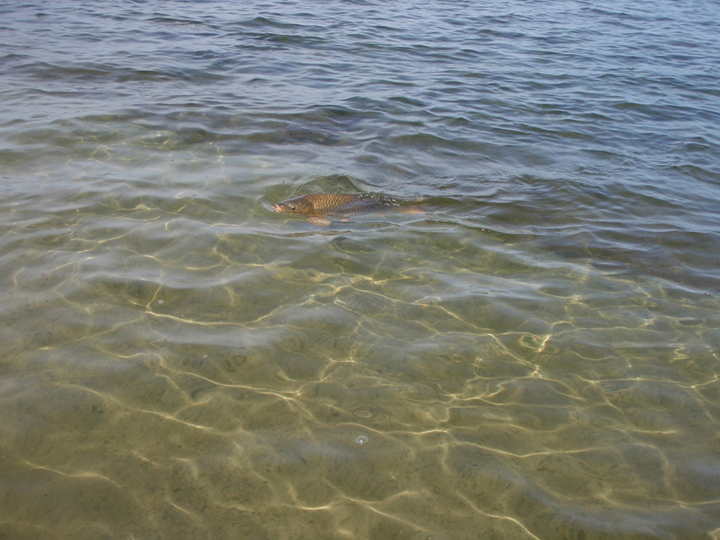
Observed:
{"x":534,"y":356}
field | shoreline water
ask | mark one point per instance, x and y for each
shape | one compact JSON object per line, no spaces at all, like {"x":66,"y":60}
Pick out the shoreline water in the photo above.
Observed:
{"x":535,"y":357}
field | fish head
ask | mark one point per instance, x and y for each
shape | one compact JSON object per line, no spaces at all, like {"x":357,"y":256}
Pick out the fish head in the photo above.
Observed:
{"x":298,"y":205}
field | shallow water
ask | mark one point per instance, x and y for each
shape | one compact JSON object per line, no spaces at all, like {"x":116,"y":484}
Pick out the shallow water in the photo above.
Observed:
{"x":533,"y":356}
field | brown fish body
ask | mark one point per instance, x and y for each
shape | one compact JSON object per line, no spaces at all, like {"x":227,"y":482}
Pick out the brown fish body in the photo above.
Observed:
{"x":340,"y":204}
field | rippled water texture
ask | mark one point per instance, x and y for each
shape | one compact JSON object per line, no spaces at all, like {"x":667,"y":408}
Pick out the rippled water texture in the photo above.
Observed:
{"x":532,"y":354}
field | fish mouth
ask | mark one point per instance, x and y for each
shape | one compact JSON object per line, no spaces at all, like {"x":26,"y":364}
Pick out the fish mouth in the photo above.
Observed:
{"x":277,"y":208}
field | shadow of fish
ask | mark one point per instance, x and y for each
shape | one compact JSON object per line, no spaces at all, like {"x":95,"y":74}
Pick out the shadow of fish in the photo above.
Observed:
{"x":320,"y":206}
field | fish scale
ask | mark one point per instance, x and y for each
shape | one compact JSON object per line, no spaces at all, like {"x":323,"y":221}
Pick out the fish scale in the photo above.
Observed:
{"x":335,"y":203}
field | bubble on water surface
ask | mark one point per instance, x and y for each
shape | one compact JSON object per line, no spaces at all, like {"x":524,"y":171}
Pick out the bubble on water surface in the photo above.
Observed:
{"x":362,"y":439}
{"x":369,"y":415}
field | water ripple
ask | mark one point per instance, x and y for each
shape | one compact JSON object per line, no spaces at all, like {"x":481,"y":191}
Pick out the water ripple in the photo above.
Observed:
{"x":532,"y":353}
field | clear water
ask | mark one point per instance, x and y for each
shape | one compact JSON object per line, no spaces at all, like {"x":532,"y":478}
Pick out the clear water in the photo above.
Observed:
{"x":535,"y":356}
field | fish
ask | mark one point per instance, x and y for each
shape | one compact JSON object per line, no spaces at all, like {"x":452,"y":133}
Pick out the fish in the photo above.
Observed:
{"x":339,"y":205}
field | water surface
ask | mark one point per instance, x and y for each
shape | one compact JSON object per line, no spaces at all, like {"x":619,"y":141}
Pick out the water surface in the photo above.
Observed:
{"x":534,"y":356}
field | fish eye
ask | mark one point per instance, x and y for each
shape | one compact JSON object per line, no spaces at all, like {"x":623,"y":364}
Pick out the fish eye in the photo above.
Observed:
{"x":292,"y":207}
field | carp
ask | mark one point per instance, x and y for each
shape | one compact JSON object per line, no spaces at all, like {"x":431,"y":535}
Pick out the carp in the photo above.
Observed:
{"x":339,"y":205}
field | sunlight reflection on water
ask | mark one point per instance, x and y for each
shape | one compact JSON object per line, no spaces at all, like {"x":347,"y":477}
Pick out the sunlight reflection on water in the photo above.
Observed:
{"x":533,"y":355}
